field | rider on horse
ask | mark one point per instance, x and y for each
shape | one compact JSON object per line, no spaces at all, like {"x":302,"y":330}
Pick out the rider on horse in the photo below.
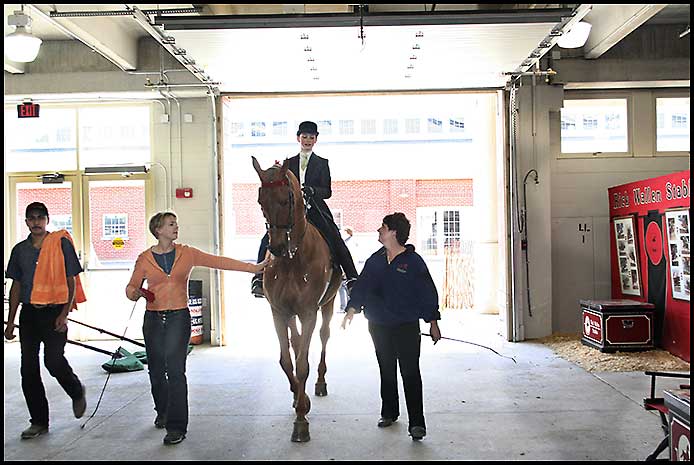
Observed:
{"x":313,"y":174}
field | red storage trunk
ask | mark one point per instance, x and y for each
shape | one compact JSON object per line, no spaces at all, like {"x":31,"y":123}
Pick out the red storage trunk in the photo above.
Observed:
{"x":612,"y":325}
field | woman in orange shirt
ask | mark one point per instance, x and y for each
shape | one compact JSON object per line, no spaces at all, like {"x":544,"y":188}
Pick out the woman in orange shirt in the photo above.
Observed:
{"x":166,"y":267}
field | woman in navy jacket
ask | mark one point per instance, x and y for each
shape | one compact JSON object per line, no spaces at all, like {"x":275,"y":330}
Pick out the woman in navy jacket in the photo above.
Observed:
{"x":395,"y":290}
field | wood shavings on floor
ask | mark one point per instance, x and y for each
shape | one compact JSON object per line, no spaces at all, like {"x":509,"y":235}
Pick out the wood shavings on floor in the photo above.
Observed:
{"x":569,"y":347}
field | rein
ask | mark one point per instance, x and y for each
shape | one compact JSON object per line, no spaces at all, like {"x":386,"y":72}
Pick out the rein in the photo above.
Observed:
{"x":287,"y":227}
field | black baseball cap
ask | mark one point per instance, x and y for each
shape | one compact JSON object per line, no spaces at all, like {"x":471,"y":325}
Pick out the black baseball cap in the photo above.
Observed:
{"x":36,"y":207}
{"x":307,"y":127}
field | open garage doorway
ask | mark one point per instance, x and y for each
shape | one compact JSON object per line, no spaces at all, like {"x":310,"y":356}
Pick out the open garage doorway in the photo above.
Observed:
{"x":433,"y":156}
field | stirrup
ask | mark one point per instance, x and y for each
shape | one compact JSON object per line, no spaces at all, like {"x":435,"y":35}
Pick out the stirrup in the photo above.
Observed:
{"x":257,"y":288}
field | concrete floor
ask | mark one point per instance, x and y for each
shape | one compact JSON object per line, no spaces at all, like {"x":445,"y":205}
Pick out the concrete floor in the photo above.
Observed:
{"x":478,"y":406}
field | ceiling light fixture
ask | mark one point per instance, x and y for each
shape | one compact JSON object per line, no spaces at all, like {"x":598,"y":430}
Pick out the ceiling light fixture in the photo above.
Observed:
{"x":576,"y":37}
{"x":21,"y":46}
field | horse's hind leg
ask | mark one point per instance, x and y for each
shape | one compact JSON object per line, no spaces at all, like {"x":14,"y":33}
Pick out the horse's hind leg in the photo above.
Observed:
{"x":327,"y":314}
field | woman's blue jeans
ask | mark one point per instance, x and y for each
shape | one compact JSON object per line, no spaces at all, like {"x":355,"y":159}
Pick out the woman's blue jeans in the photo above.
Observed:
{"x":167,"y":334}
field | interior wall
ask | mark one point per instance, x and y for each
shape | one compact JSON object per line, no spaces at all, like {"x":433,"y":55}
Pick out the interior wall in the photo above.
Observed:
{"x":579,"y":198}
{"x":534,"y":319}
{"x":567,"y":211}
{"x":182,"y":153}
{"x":568,"y":221}
{"x":189,"y":163}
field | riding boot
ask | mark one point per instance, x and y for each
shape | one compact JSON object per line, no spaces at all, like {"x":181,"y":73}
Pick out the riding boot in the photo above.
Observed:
{"x":347,"y":263}
{"x":257,"y":286}
{"x":257,"y":281}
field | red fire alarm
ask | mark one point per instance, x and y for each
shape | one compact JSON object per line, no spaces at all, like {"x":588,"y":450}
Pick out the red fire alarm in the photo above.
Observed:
{"x":184,"y":193}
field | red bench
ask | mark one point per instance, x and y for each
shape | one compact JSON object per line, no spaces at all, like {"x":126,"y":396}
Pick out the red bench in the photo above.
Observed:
{"x":657,"y":403}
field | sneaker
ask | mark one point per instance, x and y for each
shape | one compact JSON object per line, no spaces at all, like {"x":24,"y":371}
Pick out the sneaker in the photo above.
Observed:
{"x":160,"y":421}
{"x":173,"y":437}
{"x":34,"y":431}
{"x":257,"y":288}
{"x":418,"y":432}
{"x":80,"y":405}
{"x":385,"y":422}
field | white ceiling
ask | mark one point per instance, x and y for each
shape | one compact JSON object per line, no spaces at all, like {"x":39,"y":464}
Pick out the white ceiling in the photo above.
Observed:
{"x":457,"y":56}
{"x":277,"y":60}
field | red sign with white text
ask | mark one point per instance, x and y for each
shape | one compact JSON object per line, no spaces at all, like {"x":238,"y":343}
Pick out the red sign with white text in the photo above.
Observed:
{"x":592,"y":326}
{"x":658,"y":208}
{"x":669,"y":191}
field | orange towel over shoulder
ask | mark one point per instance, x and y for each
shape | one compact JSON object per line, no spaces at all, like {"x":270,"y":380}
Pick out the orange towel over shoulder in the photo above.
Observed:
{"x":50,"y":286}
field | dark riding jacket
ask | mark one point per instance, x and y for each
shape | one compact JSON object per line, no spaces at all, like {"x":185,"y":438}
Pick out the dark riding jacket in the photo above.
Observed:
{"x":317,"y":176}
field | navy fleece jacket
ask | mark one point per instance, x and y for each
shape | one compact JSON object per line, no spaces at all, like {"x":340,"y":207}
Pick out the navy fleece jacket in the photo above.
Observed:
{"x":392,"y":294}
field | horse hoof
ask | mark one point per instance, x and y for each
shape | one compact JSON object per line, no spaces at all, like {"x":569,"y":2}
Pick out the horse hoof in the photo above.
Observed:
{"x":300,"y":433}
{"x":321,"y":389}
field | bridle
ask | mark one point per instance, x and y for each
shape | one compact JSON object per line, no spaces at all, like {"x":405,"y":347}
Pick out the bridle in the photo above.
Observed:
{"x":287,"y":227}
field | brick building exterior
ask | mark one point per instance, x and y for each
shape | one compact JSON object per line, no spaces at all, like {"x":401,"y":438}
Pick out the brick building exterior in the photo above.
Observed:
{"x":363,"y":203}
{"x":107,"y":200}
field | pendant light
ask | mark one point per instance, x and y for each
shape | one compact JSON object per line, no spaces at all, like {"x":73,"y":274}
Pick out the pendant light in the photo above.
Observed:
{"x":576,"y":37}
{"x":21,"y":46}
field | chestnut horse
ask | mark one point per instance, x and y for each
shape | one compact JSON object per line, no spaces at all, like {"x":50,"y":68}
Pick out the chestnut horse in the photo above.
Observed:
{"x":298,"y":281}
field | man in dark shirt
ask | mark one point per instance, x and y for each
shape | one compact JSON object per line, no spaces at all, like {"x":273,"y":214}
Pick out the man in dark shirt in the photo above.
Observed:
{"x":42,"y":323}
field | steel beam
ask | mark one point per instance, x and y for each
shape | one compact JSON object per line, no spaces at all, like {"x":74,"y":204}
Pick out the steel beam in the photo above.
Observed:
{"x":177,"y":23}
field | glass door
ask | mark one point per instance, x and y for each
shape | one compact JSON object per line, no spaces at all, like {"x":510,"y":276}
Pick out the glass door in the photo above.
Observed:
{"x":115,"y":233}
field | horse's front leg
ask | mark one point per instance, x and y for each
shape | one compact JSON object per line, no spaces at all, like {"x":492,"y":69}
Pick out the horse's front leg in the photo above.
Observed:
{"x":294,"y":335}
{"x":285,"y":356}
{"x":327,"y":314}
{"x":303,"y":404}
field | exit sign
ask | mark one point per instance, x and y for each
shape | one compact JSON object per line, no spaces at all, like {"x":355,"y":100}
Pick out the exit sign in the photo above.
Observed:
{"x":28,"y":110}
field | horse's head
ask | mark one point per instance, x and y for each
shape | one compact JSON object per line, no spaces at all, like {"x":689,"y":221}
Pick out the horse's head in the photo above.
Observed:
{"x":279,"y":197}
